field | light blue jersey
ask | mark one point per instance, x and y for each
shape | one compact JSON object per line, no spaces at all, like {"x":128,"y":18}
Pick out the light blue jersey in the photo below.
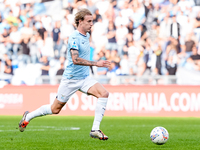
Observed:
{"x":80,"y":43}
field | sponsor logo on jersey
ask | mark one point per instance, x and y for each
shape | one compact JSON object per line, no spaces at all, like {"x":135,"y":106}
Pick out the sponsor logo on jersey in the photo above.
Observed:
{"x":74,"y":45}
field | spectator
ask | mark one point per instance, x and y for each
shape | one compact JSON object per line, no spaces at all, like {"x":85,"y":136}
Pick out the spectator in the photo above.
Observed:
{"x":197,"y":3}
{"x":108,"y":55}
{"x":129,"y":38}
{"x":34,"y":50}
{"x":61,"y":69}
{"x":46,"y":23}
{"x":150,"y":16}
{"x":197,"y":23}
{"x":112,"y":71}
{"x":45,"y":69}
{"x":133,"y":56}
{"x":114,"y":56}
{"x":1,"y":19}
{"x":8,"y":65}
{"x":157,"y":50}
{"x":42,"y":31}
{"x":26,"y":31}
{"x":24,"y":57}
{"x":1,"y":67}
{"x":138,"y":15}
{"x":111,"y":37}
{"x":193,"y":62}
{"x":62,"y":66}
{"x":197,"y":26}
{"x":175,"y":28}
{"x":121,"y":20}
{"x":139,"y":34}
{"x":188,"y":27}
{"x":96,"y":16}
{"x":198,"y":51}
{"x":57,"y":41}
{"x":185,"y":4}
{"x":174,"y":42}
{"x":121,"y":33}
{"x":66,"y":28}
{"x":165,"y":26}
{"x":4,"y":41}
{"x":111,"y":12}
{"x":126,"y":10}
{"x":102,"y":6}
{"x":182,"y":57}
{"x":147,"y":60}
{"x":181,"y":19}
{"x":39,"y":42}
{"x":23,"y":16}
{"x":101,"y":56}
{"x":124,"y":65}
{"x":101,"y":70}
{"x":189,"y":43}
{"x":130,"y":27}
{"x":171,"y":59}
{"x":152,"y":33}
{"x":19,"y":23}
{"x":91,"y":7}
{"x":12,"y":20}
{"x":69,"y":15}
{"x":14,"y":43}
{"x":45,"y":65}
{"x":99,"y":34}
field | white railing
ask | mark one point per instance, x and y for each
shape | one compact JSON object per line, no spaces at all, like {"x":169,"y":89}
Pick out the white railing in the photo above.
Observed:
{"x":182,"y":77}
{"x":157,"y":79}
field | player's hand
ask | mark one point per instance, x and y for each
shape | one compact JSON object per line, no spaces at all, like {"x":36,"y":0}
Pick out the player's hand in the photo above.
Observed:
{"x":103,"y":63}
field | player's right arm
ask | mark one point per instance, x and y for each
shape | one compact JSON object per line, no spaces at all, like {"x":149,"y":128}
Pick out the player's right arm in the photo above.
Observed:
{"x":80,"y":61}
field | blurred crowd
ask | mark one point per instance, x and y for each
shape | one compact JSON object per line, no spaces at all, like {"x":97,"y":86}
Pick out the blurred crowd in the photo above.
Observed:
{"x":139,"y":37}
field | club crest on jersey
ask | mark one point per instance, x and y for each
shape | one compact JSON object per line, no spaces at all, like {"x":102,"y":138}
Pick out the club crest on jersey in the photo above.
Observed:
{"x":74,"y":45}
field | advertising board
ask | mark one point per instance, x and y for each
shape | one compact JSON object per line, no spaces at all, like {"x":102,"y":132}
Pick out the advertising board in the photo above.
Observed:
{"x":124,"y":100}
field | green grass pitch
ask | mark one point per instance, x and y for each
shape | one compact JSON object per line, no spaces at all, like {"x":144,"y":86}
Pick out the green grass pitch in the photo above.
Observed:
{"x":72,"y":133}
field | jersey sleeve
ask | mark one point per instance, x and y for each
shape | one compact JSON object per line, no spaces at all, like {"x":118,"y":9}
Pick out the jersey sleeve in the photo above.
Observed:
{"x":73,"y":44}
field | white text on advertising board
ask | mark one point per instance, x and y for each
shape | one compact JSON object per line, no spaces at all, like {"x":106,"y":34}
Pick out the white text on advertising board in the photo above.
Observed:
{"x":11,"y":101}
{"x":138,"y":102}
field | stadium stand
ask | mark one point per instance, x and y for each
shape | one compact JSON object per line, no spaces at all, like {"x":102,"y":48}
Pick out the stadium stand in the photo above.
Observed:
{"x":147,"y":41}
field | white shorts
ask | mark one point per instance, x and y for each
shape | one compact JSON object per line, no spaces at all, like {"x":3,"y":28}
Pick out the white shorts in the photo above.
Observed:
{"x":68,"y":87}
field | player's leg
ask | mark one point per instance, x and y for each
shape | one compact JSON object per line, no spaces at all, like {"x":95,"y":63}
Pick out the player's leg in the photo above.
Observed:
{"x":101,"y":93}
{"x":65,"y":90}
{"x":92,"y":87}
{"x":46,"y":110}
{"x":42,"y":111}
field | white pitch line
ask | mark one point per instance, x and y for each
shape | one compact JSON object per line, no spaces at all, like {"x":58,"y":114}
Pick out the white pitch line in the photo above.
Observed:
{"x":54,"y":128}
{"x":191,"y":125}
{"x":16,"y":130}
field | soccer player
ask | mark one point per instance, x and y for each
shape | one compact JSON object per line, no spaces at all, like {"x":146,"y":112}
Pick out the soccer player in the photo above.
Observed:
{"x":76,"y":77}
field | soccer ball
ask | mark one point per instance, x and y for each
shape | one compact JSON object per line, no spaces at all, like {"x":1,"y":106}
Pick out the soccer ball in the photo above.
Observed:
{"x":159,"y":135}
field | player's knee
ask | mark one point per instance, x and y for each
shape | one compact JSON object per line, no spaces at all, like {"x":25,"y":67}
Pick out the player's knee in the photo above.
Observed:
{"x":55,"y":111}
{"x":105,"y":94}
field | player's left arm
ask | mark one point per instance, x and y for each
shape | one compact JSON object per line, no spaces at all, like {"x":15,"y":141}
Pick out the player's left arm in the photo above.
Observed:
{"x":80,"y":61}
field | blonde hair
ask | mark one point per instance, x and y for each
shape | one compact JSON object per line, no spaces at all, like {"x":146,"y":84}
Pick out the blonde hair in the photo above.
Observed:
{"x":80,"y":15}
